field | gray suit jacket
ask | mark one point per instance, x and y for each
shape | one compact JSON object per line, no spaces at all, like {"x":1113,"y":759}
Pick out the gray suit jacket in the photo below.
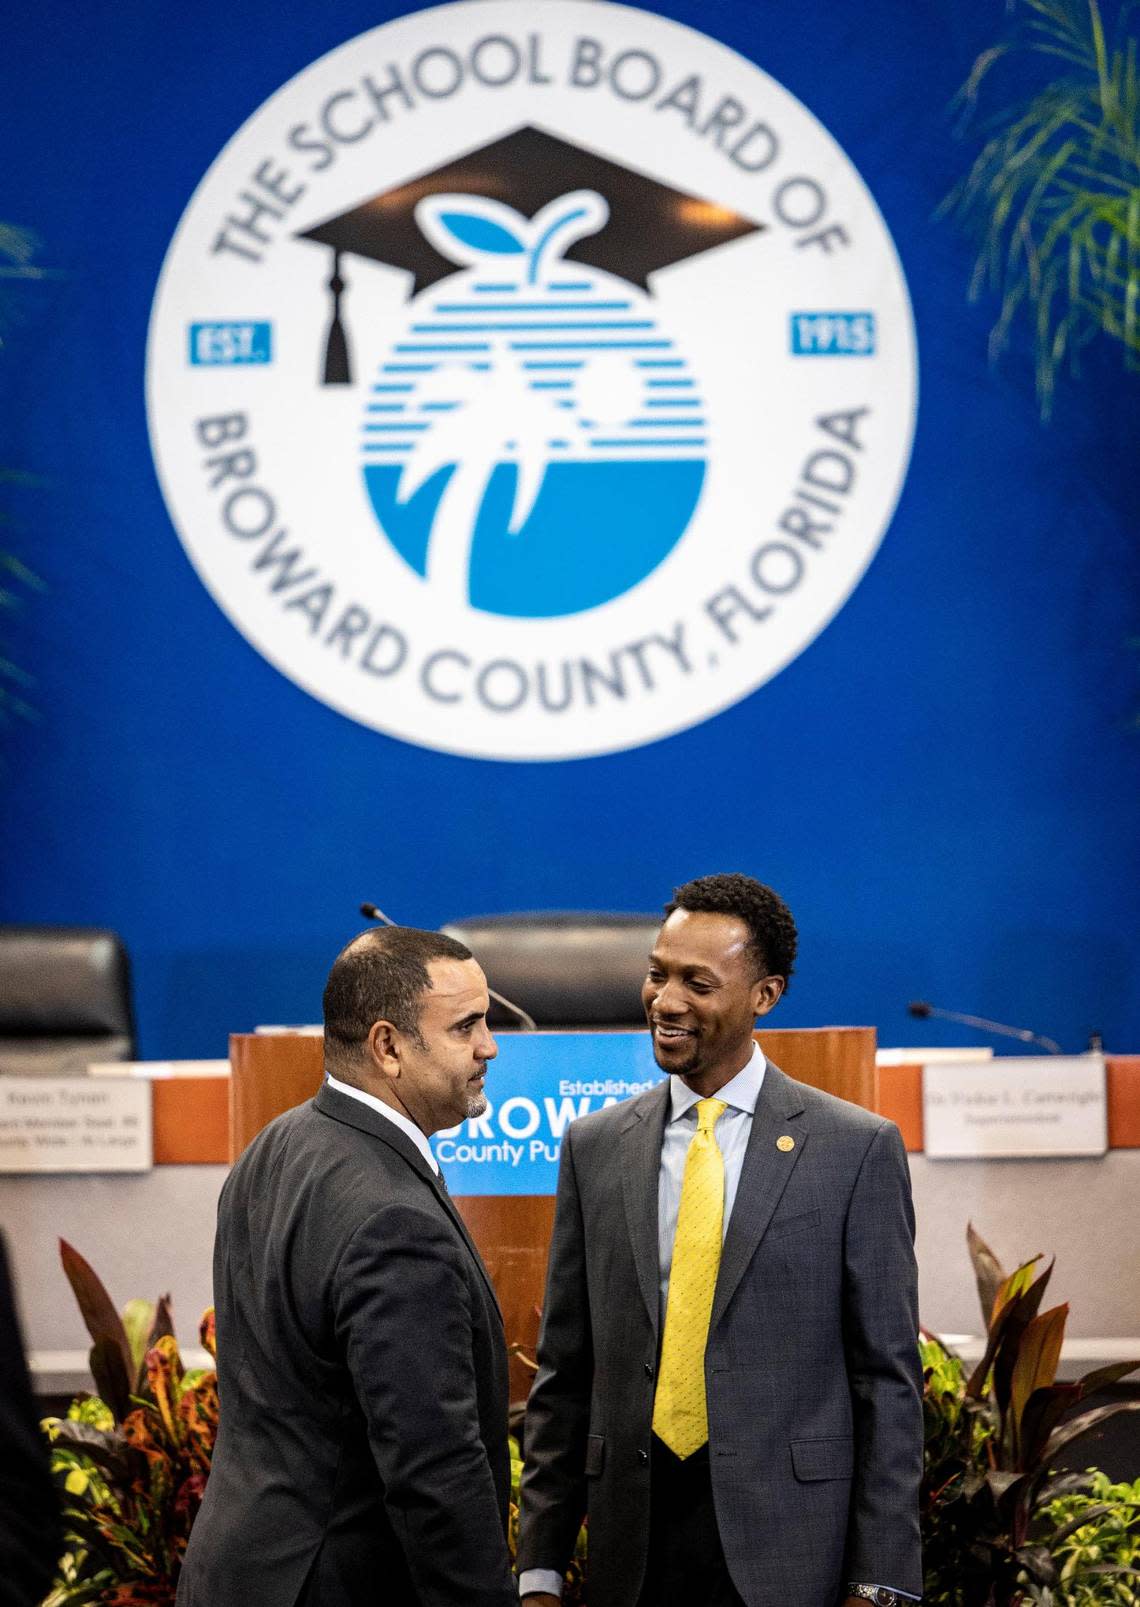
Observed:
{"x":812,"y":1369}
{"x":362,"y":1446}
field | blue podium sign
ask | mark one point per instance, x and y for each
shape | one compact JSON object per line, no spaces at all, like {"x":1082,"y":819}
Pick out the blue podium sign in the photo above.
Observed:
{"x":537,"y":1086}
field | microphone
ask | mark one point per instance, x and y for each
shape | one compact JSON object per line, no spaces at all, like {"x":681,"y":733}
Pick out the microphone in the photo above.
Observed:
{"x":527,"y":1022}
{"x":921,"y":1010}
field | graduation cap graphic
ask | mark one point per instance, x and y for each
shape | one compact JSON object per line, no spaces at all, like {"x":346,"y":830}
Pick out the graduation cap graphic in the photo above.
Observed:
{"x":649,"y":227}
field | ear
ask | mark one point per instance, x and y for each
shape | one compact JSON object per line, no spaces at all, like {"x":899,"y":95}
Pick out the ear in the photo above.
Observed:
{"x":382,"y":1048}
{"x":766,"y":993}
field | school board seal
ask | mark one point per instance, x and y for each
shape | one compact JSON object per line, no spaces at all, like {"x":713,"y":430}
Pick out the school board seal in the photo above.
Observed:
{"x":529,"y":383}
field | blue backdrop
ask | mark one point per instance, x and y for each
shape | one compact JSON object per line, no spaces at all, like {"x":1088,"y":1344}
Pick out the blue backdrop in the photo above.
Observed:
{"x":943,"y":786}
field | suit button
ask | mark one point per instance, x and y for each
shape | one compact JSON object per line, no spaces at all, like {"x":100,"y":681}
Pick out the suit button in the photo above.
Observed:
{"x":643,"y":1458}
{"x":649,"y":1370}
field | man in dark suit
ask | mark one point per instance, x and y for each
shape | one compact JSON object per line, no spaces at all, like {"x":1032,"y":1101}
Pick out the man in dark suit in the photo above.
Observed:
{"x":728,"y":1375}
{"x":362,"y":1447}
{"x":30,"y":1537}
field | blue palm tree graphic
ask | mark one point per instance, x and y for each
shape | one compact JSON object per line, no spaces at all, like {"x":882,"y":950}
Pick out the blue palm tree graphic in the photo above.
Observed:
{"x":497,"y":416}
{"x":534,"y":442}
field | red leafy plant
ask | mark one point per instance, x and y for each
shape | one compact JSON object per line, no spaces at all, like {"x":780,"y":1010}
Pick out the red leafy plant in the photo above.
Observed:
{"x":991,"y":1536}
{"x":131,"y":1463}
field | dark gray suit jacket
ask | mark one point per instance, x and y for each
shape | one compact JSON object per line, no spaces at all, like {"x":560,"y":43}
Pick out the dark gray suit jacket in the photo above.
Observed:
{"x":31,"y":1539}
{"x":362,"y":1450}
{"x":812,"y":1369}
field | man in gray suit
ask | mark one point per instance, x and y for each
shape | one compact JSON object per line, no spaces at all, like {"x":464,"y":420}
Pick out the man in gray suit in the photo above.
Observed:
{"x":728,"y":1381}
{"x":362,"y":1445}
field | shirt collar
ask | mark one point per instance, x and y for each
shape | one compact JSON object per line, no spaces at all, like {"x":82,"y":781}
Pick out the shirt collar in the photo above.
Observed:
{"x":741,"y":1091}
{"x":396,"y":1116}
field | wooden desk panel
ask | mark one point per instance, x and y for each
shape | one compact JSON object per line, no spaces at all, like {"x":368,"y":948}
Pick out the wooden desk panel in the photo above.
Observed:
{"x":270,"y":1073}
{"x":191,"y":1120}
{"x":513,"y":1235}
{"x":840,"y":1060}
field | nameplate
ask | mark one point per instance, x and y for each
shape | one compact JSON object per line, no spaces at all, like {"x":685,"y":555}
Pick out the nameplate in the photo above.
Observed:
{"x":540,"y":1083}
{"x":75,"y":1124}
{"x":1009,"y":1107}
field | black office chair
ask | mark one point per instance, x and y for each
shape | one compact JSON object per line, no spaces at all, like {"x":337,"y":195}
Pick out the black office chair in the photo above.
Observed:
{"x":65,"y":1000}
{"x":566,"y":968}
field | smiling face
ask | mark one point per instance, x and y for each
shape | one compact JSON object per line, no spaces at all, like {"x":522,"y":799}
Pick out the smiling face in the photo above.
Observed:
{"x":702,"y":996}
{"x":435,"y":1075}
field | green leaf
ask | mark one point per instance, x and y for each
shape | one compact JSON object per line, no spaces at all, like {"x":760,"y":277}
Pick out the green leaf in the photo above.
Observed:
{"x":1050,"y":196}
{"x":138,"y":1319}
{"x":1016,"y":1285}
{"x":1085,"y":1516}
{"x":18,"y":245}
{"x":107,"y":1449}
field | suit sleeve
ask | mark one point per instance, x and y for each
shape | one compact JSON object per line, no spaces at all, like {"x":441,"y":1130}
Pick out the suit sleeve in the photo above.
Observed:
{"x":553,"y":1501}
{"x":403,"y":1310}
{"x":30,"y":1538}
{"x":881,"y":1338}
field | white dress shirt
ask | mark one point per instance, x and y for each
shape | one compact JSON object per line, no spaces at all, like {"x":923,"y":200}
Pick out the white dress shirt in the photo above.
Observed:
{"x":389,"y":1112}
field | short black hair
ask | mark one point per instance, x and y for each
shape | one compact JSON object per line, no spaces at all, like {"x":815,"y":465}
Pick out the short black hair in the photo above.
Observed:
{"x":769,"y":921}
{"x":382,"y":975}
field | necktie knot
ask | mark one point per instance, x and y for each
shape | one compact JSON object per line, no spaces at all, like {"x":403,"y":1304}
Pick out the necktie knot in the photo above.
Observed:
{"x":709,"y":1112}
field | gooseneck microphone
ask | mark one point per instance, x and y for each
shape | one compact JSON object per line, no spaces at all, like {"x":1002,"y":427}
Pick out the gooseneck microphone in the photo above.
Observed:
{"x":527,"y":1022}
{"x":920,"y":1009}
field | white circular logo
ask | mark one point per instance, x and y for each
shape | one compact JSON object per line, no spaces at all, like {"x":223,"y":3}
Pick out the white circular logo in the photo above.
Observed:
{"x":531,"y":382}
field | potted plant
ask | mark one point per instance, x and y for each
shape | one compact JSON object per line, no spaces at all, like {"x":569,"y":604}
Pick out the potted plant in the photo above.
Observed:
{"x":996,"y":1527}
{"x":132,"y":1462}
{"x":1053,"y":197}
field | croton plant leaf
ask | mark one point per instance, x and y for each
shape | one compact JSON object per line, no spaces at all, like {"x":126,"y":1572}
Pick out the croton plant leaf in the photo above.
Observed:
{"x":101,"y":1319}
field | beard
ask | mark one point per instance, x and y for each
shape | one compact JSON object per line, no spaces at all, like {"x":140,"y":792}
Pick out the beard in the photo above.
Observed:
{"x":678,"y":1063}
{"x":476,"y":1104}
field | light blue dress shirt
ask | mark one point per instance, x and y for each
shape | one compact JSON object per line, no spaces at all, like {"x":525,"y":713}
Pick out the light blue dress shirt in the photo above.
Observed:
{"x":732,"y":1132}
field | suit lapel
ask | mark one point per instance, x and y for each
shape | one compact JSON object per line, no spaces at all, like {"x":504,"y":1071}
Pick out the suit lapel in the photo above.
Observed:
{"x":763,"y":1178}
{"x":453,"y":1212}
{"x":354,"y":1113}
{"x":641,"y":1138}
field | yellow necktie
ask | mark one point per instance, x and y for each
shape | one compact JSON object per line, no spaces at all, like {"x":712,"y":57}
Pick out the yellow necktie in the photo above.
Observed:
{"x":680,"y":1413}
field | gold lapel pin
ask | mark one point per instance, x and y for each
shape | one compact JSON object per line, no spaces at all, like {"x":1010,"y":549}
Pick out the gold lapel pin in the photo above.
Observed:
{"x":785,"y":1143}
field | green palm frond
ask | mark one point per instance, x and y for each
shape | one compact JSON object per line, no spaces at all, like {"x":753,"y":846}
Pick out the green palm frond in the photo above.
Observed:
{"x":17,"y":244}
{"x":17,"y":249}
{"x":1053,"y":197}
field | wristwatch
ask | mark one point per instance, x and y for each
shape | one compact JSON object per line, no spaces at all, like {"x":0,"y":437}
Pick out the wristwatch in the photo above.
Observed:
{"x":879,"y":1594}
